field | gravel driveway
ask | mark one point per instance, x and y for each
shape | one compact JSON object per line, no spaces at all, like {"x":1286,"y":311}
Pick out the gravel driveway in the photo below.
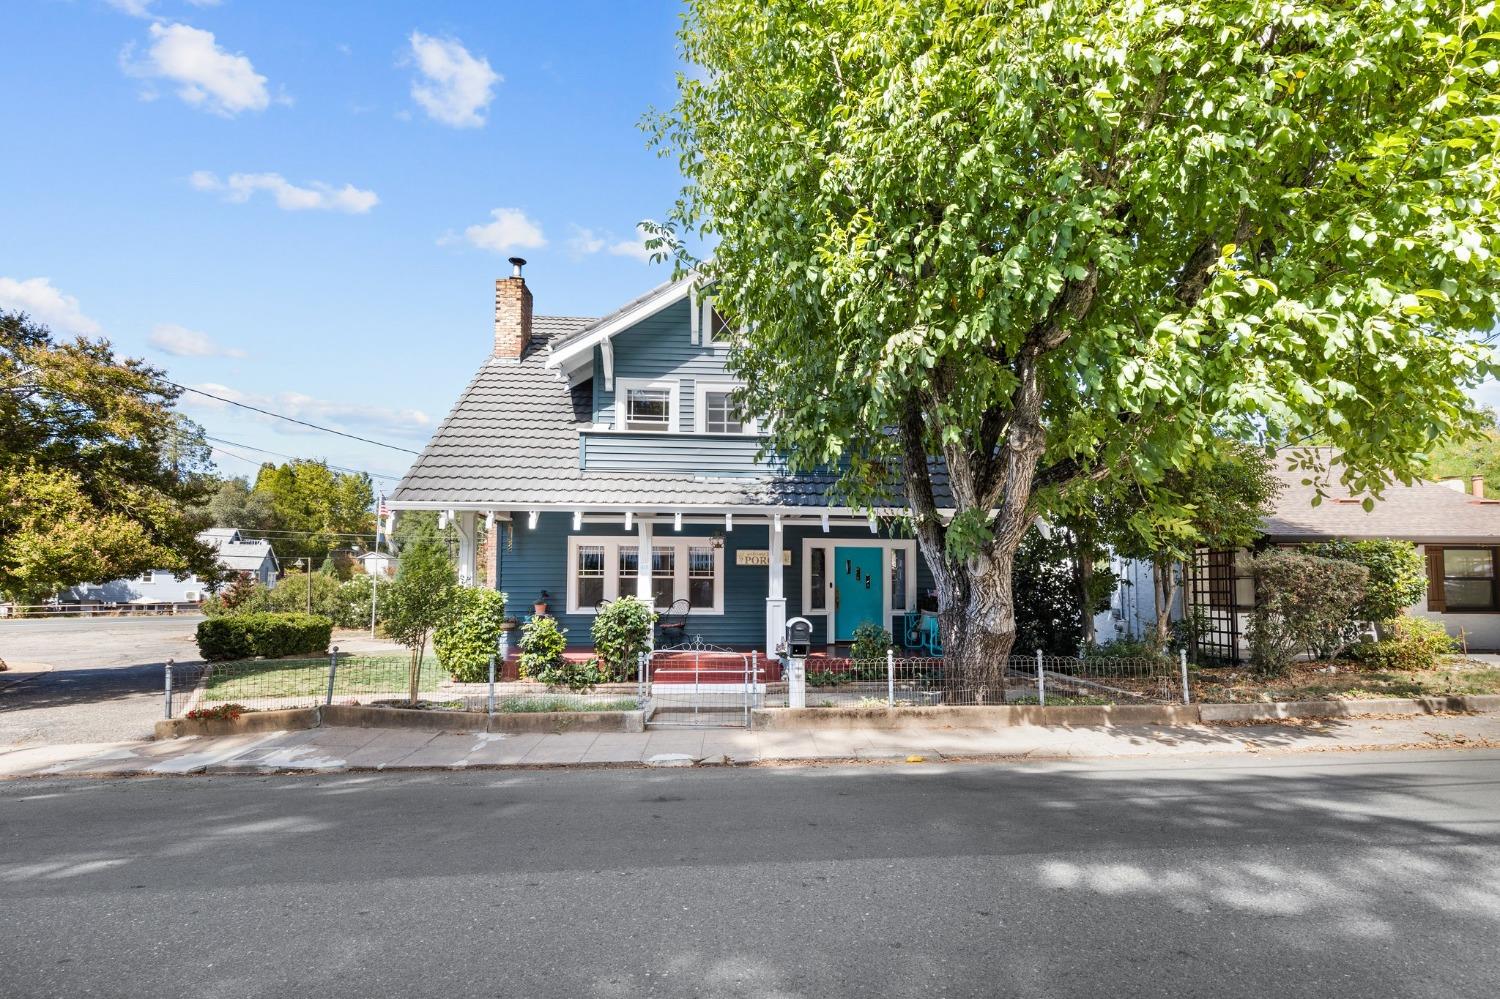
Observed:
{"x":96,"y":679}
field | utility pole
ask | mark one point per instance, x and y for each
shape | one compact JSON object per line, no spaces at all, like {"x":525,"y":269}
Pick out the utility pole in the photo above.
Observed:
{"x":307,"y":561}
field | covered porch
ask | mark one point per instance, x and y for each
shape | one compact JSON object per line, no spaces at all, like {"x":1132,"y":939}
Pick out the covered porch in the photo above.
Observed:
{"x":736,"y":574}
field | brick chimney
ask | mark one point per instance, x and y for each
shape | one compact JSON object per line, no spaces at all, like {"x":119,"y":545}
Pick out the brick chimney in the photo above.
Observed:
{"x":1476,"y":486}
{"x":512,"y":313}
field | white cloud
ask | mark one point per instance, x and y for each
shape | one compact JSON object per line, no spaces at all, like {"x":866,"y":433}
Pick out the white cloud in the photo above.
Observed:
{"x":207,"y":76}
{"x":142,"y":8}
{"x":179,"y":341}
{"x":510,"y":230}
{"x":455,"y":88}
{"x":39,"y":299}
{"x":585,"y":241}
{"x":635,"y":248}
{"x":351,"y":416}
{"x":317,"y":196}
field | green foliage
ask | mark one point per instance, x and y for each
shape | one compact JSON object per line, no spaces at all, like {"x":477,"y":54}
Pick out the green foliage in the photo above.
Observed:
{"x":346,"y":603}
{"x":418,"y":600}
{"x":245,"y":636}
{"x":235,"y":504}
{"x":1305,"y":604}
{"x":621,"y":633}
{"x":1464,"y":456}
{"x":320,"y":507}
{"x":467,"y":640}
{"x":1124,"y":648}
{"x":575,"y":676}
{"x":1415,"y":643}
{"x":542,"y":645}
{"x":1046,"y":596}
{"x":870,"y":642}
{"x":1398,"y":574}
{"x":100,"y":477}
{"x":826,"y":678}
{"x":350,"y":605}
{"x":1061,"y":242}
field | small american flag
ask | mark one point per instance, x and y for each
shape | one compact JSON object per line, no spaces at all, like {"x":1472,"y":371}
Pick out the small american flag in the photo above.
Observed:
{"x":382,"y":514}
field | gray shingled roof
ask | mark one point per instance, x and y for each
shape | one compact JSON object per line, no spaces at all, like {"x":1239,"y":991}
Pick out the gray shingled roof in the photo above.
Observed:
{"x":512,"y":440}
{"x":1422,"y":512}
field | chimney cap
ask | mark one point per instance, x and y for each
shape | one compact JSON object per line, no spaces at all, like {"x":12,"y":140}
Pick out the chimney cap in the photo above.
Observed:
{"x":516,"y":263}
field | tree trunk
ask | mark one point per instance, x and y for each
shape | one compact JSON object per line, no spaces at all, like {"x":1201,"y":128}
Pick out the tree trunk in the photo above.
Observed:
{"x":978,"y":619}
{"x":1164,"y":589}
{"x":416,"y":670}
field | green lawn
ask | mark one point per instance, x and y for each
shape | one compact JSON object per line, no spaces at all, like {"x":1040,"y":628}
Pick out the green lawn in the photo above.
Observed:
{"x":308,"y":678}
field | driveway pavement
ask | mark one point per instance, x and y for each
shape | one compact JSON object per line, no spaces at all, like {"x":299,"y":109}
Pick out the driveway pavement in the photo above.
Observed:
{"x":94,"y":679}
{"x":1374,"y":876}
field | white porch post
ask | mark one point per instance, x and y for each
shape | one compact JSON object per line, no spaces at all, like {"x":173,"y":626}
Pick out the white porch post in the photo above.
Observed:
{"x":775,"y":594}
{"x":643,"y":560}
{"x":468,"y":550}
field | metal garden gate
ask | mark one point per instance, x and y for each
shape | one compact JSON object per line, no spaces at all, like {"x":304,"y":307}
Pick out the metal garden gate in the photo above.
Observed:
{"x":702,"y":686}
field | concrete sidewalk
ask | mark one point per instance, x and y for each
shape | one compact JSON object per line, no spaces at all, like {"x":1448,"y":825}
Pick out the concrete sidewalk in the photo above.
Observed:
{"x":336,"y":749}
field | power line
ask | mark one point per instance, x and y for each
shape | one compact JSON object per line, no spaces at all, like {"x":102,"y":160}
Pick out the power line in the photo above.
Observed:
{"x":293,"y":457}
{"x":290,"y":419}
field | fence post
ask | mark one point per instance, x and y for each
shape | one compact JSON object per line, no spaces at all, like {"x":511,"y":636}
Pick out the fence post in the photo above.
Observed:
{"x":641,"y":659}
{"x":333,"y":667}
{"x":491,"y":698}
{"x":1041,"y":681}
{"x":1187,"y":696}
{"x":890,"y":678}
{"x":168,"y":672}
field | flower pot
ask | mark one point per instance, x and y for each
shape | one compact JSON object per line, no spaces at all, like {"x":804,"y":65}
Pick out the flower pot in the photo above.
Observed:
{"x":539,"y":609}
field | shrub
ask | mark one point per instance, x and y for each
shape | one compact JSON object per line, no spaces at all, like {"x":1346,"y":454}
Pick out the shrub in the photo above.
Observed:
{"x":542,"y":644}
{"x":1124,"y":648}
{"x":467,"y":639}
{"x":244,"y":636}
{"x":350,"y":603}
{"x":870,"y":642}
{"x":226,"y":711}
{"x":621,"y":633}
{"x":1398,"y":574}
{"x":825,"y":678}
{"x":1415,"y":643}
{"x":577,"y":677}
{"x":418,"y":600}
{"x":1305,"y":604}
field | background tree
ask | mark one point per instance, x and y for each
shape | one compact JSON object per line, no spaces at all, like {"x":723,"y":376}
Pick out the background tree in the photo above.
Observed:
{"x":100,"y":476}
{"x":235,"y":504}
{"x":1047,"y":244}
{"x":315,"y":509}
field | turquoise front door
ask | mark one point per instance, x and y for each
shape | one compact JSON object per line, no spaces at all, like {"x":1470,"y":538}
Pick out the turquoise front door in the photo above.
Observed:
{"x":859,"y":593}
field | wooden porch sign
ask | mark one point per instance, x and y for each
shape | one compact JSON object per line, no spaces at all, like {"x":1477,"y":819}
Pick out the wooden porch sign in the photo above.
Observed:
{"x":760,"y":556}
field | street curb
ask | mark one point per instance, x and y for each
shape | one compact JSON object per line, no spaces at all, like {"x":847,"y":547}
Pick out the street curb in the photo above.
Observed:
{"x":359,"y":716}
{"x":973,"y":716}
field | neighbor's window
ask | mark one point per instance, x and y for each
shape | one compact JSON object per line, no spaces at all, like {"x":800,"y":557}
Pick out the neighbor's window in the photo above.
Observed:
{"x":700,"y":576}
{"x":720,"y":414}
{"x":590,"y":575}
{"x":663,"y":577}
{"x":817,"y":597}
{"x":648,"y":408}
{"x":1469,"y":578}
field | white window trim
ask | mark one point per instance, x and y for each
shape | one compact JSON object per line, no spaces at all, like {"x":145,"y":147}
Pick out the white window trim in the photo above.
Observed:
{"x":885,"y":545}
{"x":672,"y":385}
{"x":700,"y":406}
{"x":706,"y":324}
{"x":612,"y":546}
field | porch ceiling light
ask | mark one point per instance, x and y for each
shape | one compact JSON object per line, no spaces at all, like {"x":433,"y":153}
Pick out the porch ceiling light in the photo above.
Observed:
{"x":825,"y":521}
{"x":677,"y":521}
{"x":531,"y":519}
{"x":629,"y":519}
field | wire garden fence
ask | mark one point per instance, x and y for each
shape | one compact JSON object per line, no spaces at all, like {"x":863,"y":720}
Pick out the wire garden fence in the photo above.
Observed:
{"x":372,"y":680}
{"x":1035,"y":679}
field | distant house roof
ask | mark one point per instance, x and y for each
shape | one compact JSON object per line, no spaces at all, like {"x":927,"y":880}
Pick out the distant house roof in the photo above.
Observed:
{"x":216,"y":536}
{"x":245,"y":556}
{"x":512,"y":440}
{"x":1424,"y":512}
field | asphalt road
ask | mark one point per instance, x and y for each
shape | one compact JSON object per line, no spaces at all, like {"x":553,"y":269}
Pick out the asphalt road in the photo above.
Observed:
{"x":105,"y":678}
{"x":1342,"y":875}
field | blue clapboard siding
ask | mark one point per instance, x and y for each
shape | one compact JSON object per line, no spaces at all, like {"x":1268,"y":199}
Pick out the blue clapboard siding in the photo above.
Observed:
{"x":535,"y":560}
{"x":661,"y":347}
{"x":702,"y":454}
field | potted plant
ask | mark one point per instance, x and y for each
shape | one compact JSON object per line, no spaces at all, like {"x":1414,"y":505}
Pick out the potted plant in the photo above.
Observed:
{"x":540,"y":607}
{"x":509,"y":624}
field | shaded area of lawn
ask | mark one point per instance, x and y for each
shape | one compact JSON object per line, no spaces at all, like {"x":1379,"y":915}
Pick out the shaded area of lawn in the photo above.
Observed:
{"x":1342,"y":679}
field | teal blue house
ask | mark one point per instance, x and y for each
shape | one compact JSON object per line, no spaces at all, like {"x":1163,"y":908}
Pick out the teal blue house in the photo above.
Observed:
{"x":607,"y":457}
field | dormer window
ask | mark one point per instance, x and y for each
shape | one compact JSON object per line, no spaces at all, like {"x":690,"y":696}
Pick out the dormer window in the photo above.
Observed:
{"x":646,"y":406}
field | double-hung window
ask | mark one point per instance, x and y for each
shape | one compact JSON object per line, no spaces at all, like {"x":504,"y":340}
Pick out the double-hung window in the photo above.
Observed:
{"x":646,"y":406}
{"x":690,"y":569}
{"x":1469,"y":579}
{"x":716,"y":411}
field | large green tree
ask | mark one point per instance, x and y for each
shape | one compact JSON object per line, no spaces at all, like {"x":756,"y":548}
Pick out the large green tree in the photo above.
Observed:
{"x":314,"y":508}
{"x":100,"y":476}
{"x":1001,"y":249}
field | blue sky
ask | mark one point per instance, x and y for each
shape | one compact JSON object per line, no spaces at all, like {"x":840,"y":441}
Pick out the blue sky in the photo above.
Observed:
{"x":306,"y":204}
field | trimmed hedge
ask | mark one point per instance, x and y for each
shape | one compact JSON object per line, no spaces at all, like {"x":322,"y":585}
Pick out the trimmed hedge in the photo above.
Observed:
{"x":245,"y":636}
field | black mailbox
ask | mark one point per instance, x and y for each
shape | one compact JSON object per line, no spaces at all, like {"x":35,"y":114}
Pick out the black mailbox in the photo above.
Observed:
{"x":798,"y":637}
